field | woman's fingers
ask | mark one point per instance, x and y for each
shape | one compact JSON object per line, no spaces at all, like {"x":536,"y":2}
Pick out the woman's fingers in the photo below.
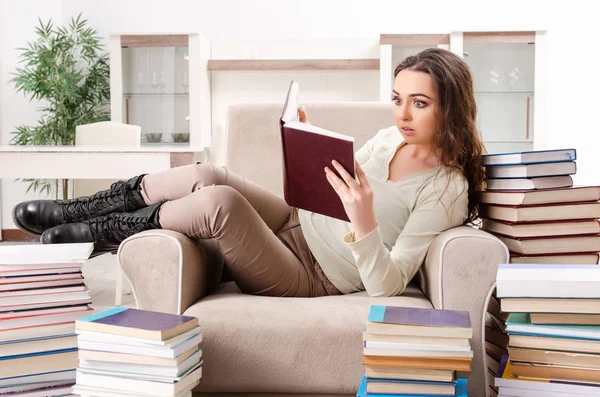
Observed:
{"x":362,"y":177}
{"x":350,"y":181}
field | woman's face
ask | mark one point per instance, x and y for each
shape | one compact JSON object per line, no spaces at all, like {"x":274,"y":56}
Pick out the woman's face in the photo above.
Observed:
{"x":415,"y":103}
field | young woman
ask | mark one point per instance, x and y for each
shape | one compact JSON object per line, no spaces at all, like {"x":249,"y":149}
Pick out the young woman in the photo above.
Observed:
{"x":414,"y":180}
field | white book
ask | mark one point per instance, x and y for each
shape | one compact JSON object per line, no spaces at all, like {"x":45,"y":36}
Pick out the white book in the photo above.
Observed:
{"x":55,"y":376}
{"x":414,"y":346}
{"x":531,"y":170}
{"x":142,"y":375}
{"x":34,"y":333}
{"x":10,"y":272}
{"x":42,"y":284}
{"x":44,"y":320}
{"x":154,"y":351}
{"x":38,"y":346}
{"x":144,"y":369}
{"x":55,"y":391}
{"x":418,"y":353}
{"x":515,"y":392}
{"x":124,"y":358}
{"x":37,"y":385}
{"x":158,"y":389}
{"x":92,"y":336}
{"x":47,"y":311}
{"x":45,"y":253}
{"x":547,"y":281}
{"x":58,"y":302}
{"x":87,"y":391}
{"x":530,"y":157}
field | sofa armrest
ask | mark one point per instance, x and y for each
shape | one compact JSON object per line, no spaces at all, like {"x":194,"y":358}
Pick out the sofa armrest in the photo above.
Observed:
{"x":460,"y":274}
{"x":169,"y":271}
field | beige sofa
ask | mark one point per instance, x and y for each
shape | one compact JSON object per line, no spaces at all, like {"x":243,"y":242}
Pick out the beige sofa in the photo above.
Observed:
{"x":312,"y":346}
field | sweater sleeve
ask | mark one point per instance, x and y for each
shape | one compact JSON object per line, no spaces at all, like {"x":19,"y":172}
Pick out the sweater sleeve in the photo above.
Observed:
{"x":385,"y":272}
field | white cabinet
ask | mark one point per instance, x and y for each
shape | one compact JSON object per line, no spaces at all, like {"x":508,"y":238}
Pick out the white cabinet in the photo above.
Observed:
{"x":161,"y":83}
{"x":506,"y":76}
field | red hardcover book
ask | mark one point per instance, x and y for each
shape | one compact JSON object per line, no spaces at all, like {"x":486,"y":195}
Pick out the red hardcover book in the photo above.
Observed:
{"x":307,"y":150}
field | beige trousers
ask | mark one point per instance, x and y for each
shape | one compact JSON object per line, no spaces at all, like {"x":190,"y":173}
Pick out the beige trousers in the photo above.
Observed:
{"x":259,"y":234}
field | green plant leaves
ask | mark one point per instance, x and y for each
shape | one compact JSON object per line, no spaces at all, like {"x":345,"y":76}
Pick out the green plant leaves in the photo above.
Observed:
{"x":65,"y":69}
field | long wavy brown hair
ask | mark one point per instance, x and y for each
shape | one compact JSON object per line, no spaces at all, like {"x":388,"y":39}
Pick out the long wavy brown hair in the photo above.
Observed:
{"x":458,"y":136}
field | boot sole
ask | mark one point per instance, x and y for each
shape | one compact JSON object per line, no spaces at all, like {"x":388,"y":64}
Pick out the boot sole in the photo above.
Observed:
{"x":21,"y":226}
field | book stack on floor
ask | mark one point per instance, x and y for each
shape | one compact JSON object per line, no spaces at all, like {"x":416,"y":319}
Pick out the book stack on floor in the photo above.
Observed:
{"x":553,"y":328}
{"x":496,"y":341}
{"x":131,"y":352}
{"x":416,"y":352}
{"x":530,"y":204}
{"x":42,"y":293}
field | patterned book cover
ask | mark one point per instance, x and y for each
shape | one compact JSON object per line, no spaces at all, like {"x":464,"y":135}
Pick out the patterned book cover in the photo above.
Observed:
{"x":416,"y":316}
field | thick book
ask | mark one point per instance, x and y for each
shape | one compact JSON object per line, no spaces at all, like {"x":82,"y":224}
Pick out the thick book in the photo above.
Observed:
{"x":544,"y":182}
{"x":530,"y":157}
{"x":553,"y":245}
{"x":26,"y":254}
{"x":536,"y":197}
{"x":436,"y":375}
{"x":461,"y":391}
{"x":306,"y":151}
{"x":557,"y":259}
{"x":505,"y":378}
{"x":531,"y":170}
{"x":410,"y":387}
{"x":565,"y":318}
{"x":442,"y":363}
{"x":559,"y":343}
{"x":547,"y":281}
{"x":139,"y":323}
{"x":541,"y":213}
{"x":520,"y":324}
{"x":542,"y":229}
{"x":397,"y":320}
{"x":551,"y":305}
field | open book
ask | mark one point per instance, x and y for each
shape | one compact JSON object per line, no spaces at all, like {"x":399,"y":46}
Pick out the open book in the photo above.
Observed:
{"x":306,"y":151}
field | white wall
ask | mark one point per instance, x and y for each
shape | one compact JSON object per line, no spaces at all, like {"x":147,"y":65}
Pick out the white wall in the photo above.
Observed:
{"x":571,"y":39}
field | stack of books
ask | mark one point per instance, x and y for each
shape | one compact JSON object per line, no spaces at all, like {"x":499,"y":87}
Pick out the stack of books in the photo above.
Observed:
{"x":414,"y":352}
{"x":530,"y":204}
{"x":42,"y":293}
{"x":553,"y":328}
{"x":131,"y":352}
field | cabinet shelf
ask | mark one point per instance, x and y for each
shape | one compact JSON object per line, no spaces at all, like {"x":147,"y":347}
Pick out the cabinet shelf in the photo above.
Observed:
{"x":293,"y":64}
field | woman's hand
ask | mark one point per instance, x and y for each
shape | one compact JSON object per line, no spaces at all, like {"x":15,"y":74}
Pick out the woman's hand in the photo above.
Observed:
{"x":302,"y":114}
{"x":357,"y":197}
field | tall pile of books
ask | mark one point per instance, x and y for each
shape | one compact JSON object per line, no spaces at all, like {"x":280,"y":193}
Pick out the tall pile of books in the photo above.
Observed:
{"x":413,"y":352}
{"x":131,"y":352}
{"x":530,"y":204}
{"x":42,"y":293}
{"x":553,"y":328}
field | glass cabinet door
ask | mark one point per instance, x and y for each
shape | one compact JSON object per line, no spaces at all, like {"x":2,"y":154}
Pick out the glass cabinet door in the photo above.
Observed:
{"x":503,"y":67}
{"x":156,"y":88}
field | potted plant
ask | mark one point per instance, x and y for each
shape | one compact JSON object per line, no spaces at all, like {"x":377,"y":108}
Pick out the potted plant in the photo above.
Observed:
{"x":66,"y":69}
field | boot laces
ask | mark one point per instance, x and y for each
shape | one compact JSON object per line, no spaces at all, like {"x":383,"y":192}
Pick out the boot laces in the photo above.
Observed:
{"x":117,"y":227}
{"x":81,"y":207}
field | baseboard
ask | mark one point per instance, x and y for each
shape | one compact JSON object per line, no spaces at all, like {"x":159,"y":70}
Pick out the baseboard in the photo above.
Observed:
{"x":18,"y":235}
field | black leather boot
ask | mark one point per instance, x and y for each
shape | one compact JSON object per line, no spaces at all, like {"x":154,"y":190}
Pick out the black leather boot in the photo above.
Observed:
{"x":106,"y":232}
{"x":39,"y":215}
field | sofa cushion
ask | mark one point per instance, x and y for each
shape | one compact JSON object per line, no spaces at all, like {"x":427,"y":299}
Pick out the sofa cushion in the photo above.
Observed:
{"x":294,"y":345}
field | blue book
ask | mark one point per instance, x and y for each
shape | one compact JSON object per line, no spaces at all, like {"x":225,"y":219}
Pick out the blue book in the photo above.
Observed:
{"x":520,"y":324}
{"x":530,"y":157}
{"x":461,"y":390}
